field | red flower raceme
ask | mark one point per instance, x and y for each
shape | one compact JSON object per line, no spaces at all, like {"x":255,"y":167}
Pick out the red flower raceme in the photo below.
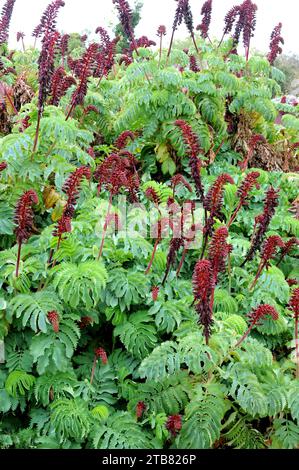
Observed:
{"x":256,"y":316}
{"x":60,"y":84}
{"x":161,"y":30}
{"x":219,"y":250}
{"x":85,"y":68}
{"x":48,"y":20}
{"x":174,"y":424}
{"x":193,"y":65}
{"x":5,"y":19}
{"x":64,"y":45}
{"x":144,"y":41}
{"x":24,"y":220}
{"x":292,"y":282}
{"x":250,"y":182}
{"x":213,"y":201}
{"x":194,"y":150}
{"x":262,"y":222}
{"x":179,"y":179}
{"x":71,"y":188}
{"x":53,"y":318}
{"x":3,"y":166}
{"x":105,"y":58}
{"x":140,"y":409}
{"x":122,"y":141}
{"x":99,"y":353}
{"x":126,"y":17}
{"x":276,"y":40}
{"x":269,"y":249}
{"x":206,"y":12}
{"x":155,"y":293}
{"x":203,"y":289}
{"x":183,"y":13}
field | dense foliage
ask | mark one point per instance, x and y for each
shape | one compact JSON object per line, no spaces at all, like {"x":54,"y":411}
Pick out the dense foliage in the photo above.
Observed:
{"x":182,"y":336}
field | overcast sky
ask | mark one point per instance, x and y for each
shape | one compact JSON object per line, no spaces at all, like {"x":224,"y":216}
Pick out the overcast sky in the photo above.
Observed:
{"x":78,"y":15}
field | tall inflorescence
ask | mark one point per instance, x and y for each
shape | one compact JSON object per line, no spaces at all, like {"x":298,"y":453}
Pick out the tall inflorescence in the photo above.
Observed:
{"x":194,"y":150}
{"x":294,"y":306}
{"x":64,"y":46}
{"x":219,"y":250}
{"x":203,"y":288}
{"x":84,"y":68}
{"x":206,"y":13}
{"x":115,"y":173}
{"x":60,"y":83}
{"x":160,"y":33}
{"x":248,"y":184}
{"x":71,"y":188}
{"x":269,"y":250}
{"x":105,"y":57}
{"x":126,"y":18}
{"x":213,"y":201}
{"x":48,"y":20}
{"x":256,"y":316}
{"x":262,"y":222}
{"x":183,"y":13}
{"x":5,"y":20}
{"x":53,"y":318}
{"x":275,"y":41}
{"x":24,"y":221}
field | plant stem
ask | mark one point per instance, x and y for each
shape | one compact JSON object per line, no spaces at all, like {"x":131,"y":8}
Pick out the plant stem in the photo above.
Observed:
{"x":194,"y":42}
{"x":245,"y":335}
{"x":234,"y":215}
{"x":160,"y":51}
{"x":153,"y":256}
{"x":18,"y":258}
{"x":170,"y":46}
{"x":36,"y":132}
{"x":105,"y":228}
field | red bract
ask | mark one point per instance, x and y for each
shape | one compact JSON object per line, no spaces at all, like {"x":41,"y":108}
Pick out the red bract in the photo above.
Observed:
{"x":262,"y":222}
{"x":203,"y":288}
{"x":140,"y":409}
{"x":64,"y":45}
{"x":85,"y":69}
{"x":294,"y":302}
{"x":48,"y":20}
{"x":24,"y":220}
{"x":276,"y":40}
{"x":144,"y":41}
{"x":5,"y":19}
{"x":183,"y":13}
{"x":161,"y":30}
{"x":218,"y":251}
{"x":250,"y":182}
{"x":122,"y":140}
{"x":206,"y":11}
{"x":152,"y":195}
{"x":255,"y":317}
{"x":193,"y":65}
{"x":194,"y":150}
{"x":59,"y":85}
{"x":53,"y":318}
{"x":174,"y":424}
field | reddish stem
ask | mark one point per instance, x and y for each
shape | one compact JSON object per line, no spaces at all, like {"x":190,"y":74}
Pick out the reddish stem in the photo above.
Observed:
{"x":245,"y":335}
{"x":194,"y":42}
{"x":160,"y":51}
{"x":18,"y":258}
{"x":153,"y":256}
{"x":235,"y":213}
{"x":170,"y":45}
